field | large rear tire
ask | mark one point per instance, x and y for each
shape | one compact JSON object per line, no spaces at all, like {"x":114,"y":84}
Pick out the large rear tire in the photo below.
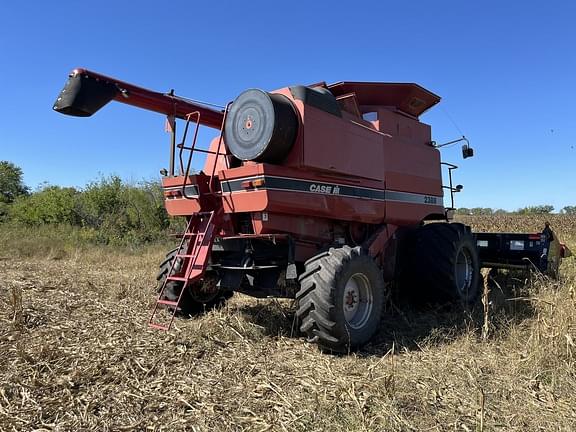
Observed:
{"x":201,"y":297}
{"x":445,"y":263}
{"x":340,"y":299}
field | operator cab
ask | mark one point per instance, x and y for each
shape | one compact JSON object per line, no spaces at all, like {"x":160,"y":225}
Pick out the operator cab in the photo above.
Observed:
{"x":391,"y":108}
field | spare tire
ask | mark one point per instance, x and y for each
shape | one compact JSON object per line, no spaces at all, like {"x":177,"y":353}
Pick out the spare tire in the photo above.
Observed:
{"x":261,"y":126}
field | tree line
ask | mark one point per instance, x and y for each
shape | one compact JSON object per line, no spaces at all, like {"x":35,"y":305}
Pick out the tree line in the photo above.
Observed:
{"x":530,"y":210}
{"x":109,"y":210}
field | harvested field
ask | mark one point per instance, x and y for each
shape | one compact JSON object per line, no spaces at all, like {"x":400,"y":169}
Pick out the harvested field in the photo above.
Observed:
{"x":76,"y":354}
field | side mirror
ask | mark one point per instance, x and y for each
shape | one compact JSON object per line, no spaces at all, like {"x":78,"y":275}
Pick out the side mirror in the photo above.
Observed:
{"x":458,"y":188}
{"x":467,"y":151}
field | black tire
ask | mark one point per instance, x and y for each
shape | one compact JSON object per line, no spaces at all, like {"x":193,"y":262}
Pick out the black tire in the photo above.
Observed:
{"x":324,"y":314}
{"x":191,"y":304}
{"x":445,"y":264}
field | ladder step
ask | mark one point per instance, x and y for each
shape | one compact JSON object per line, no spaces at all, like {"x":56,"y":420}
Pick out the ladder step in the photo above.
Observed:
{"x":158,"y":326}
{"x":185,"y":256}
{"x":178,"y":278}
{"x":167,"y":302}
{"x":192,"y":234}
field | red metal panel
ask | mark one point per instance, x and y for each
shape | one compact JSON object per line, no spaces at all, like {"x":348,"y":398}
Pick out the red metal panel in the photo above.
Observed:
{"x":402,"y":214}
{"x":405,"y":129}
{"x":306,"y":227}
{"x":240,"y":202}
{"x":408,"y":182}
{"x":177,"y":204}
{"x":182,"y":206}
{"x":412,"y":168}
{"x":332,"y":144}
{"x":302,"y":202}
{"x":246,"y":170}
{"x":326,"y":206}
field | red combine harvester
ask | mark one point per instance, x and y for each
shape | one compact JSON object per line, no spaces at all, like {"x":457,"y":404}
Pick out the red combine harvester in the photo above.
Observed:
{"x":320,"y":193}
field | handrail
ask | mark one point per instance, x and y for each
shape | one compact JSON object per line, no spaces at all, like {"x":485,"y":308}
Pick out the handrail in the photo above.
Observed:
{"x":449,"y":165}
{"x":452,"y":189}
{"x":218,"y":150}
{"x":182,"y":147}
{"x":186,"y":172}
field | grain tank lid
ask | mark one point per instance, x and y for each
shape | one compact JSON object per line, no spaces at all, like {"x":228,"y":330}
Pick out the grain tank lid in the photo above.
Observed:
{"x":406,"y":97}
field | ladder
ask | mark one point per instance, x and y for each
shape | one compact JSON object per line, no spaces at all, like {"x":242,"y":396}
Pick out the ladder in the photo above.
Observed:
{"x":194,"y":250}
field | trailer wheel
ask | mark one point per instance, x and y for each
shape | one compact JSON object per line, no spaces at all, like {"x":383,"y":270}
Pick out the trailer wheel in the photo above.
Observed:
{"x":197,"y":299}
{"x":340,"y":299}
{"x":446,"y":263}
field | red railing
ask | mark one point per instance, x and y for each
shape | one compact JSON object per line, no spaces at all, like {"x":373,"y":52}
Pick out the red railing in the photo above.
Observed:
{"x":195,"y":117}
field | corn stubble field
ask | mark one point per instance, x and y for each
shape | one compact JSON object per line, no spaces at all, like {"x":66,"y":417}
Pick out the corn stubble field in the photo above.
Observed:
{"x":76,"y":354}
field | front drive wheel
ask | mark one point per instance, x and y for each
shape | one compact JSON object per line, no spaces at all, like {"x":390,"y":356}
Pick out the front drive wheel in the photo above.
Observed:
{"x":446,"y":263}
{"x":340,"y":299}
{"x":198,"y":298}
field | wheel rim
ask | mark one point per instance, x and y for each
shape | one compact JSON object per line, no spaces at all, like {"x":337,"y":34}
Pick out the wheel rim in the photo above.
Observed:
{"x":358,"y":300}
{"x":204,"y":291}
{"x":464,"y":271}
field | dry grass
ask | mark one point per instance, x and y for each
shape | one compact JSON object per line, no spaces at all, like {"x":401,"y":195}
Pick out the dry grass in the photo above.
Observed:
{"x":75,"y":354}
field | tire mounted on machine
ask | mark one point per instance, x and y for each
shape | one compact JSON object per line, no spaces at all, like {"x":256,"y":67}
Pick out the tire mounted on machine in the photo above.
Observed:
{"x":340,"y":299}
{"x":445,"y":263}
{"x":194,"y":300}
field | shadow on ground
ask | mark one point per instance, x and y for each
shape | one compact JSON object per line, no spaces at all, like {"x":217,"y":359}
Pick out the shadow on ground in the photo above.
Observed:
{"x":408,"y":325}
{"x":276,"y":318}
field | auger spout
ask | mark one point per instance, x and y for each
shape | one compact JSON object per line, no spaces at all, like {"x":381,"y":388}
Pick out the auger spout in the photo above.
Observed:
{"x":86,"y":92}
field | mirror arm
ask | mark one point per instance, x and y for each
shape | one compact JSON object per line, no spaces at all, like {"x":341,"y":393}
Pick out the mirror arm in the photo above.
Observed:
{"x":451,"y":142}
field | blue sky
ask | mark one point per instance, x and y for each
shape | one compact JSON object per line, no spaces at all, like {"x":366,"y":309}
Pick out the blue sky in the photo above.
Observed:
{"x":506,"y":72}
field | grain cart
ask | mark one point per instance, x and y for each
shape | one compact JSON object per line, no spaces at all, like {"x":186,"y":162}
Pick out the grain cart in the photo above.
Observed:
{"x":321,"y":193}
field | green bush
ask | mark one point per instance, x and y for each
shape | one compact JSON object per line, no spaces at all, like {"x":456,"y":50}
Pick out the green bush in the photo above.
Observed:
{"x":11,"y":183}
{"x":4,"y":211}
{"x":123,"y":213}
{"x":112,"y":211}
{"x":50,"y":205}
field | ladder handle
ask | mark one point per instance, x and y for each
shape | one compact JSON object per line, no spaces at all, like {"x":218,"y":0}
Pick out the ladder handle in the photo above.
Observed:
{"x":191,"y":151}
{"x":182,"y":146}
{"x":210,"y":188}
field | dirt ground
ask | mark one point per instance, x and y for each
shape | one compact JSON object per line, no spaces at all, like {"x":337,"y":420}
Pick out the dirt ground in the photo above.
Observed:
{"x":76,"y":354}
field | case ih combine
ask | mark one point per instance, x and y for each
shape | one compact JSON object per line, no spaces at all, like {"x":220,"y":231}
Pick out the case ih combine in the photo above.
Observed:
{"x":321,"y":193}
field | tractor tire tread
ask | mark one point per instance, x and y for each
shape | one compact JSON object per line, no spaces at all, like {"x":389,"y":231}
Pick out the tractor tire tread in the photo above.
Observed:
{"x":316,"y":311}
